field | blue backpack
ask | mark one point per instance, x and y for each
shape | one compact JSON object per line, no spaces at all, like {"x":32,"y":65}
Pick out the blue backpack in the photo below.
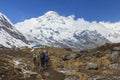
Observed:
{"x":46,"y":57}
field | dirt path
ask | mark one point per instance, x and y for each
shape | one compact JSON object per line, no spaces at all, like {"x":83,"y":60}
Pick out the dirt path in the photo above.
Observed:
{"x":49,"y":74}
{"x":54,"y":75}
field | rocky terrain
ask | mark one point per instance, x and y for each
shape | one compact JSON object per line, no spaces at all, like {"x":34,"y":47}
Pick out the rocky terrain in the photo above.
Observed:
{"x":101,"y":63}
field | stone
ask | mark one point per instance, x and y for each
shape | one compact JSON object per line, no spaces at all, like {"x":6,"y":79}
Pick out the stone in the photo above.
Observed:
{"x":91,"y":66}
{"x":72,"y":78}
{"x":114,"y":66}
{"x":115,"y":56}
{"x":116,"y":49}
{"x":71,"y":56}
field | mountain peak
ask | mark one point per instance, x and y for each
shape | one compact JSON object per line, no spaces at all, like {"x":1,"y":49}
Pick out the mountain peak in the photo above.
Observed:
{"x":9,"y":35}
{"x":4,"y":18}
{"x":1,"y":15}
{"x":51,"y":13}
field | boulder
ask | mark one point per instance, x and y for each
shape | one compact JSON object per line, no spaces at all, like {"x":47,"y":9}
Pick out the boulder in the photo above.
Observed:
{"x":91,"y":66}
{"x":98,"y":54}
{"x":74,"y":56}
{"x":71,"y":56}
{"x":72,"y":78}
{"x":116,"y":49}
{"x":114,"y":66}
{"x":115,"y":56}
{"x":103,"y":77}
{"x":64,"y":57}
{"x":87,"y":58}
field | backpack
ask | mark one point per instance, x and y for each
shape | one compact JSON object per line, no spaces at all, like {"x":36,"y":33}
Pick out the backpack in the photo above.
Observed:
{"x":42,"y":56}
{"x":46,"y":57}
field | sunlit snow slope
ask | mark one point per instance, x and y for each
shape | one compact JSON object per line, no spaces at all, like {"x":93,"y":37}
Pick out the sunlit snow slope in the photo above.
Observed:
{"x":9,"y":35}
{"x":54,"y":30}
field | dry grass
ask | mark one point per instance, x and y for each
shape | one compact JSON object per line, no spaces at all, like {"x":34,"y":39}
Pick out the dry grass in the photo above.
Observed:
{"x":74,"y":64}
{"x":46,"y":75}
{"x":56,"y":62}
{"x":102,"y":61}
{"x":39,"y":77}
{"x":108,"y":72}
{"x":58,"y":51}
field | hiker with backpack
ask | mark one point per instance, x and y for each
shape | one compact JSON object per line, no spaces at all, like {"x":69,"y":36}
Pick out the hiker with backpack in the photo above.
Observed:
{"x":42,"y":59}
{"x":34,"y":58}
{"x":46,"y":60}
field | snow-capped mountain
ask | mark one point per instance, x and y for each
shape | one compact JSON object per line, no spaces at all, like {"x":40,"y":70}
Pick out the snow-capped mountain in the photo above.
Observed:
{"x":54,"y":30}
{"x":9,"y":35}
{"x":90,"y":39}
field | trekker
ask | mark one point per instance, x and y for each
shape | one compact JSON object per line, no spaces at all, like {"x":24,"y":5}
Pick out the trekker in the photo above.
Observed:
{"x":46,"y":60}
{"x":34,"y":58}
{"x":42,"y":59}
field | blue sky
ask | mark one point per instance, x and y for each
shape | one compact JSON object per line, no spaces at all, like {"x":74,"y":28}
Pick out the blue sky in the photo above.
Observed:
{"x":90,"y":10}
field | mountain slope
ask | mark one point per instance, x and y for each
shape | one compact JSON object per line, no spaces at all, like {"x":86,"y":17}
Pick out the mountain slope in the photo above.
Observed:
{"x":90,"y":39}
{"x":9,"y":35}
{"x":53,"y":29}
